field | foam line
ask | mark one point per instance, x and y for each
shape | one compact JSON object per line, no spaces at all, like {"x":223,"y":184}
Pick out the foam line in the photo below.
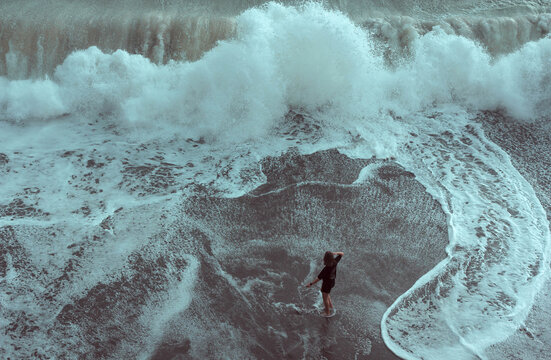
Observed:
{"x":70,"y":147}
{"x":499,"y":248}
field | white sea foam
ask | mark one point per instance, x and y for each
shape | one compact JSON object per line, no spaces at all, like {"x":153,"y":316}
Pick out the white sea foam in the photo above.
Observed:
{"x":17,"y":96}
{"x":499,"y":246}
{"x":318,"y":62}
{"x":243,"y":86}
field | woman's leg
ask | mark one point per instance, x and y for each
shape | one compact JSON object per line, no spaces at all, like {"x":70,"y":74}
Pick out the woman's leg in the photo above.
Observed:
{"x":330,"y":302}
{"x":325,"y":297}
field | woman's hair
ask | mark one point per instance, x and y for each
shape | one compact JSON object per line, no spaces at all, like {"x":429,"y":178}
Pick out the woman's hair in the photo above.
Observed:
{"x":328,"y":259}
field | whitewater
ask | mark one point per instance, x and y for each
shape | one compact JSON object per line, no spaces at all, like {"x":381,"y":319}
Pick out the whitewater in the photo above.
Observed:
{"x":146,"y":145}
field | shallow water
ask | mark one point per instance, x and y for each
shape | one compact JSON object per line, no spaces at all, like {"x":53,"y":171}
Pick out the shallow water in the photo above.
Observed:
{"x":170,"y":177}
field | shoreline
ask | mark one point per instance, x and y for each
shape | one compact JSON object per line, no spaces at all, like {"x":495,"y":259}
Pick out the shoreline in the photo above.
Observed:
{"x":527,"y":144}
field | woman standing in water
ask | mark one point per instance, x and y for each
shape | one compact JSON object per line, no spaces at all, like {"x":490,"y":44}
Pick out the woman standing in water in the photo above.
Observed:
{"x":328,"y":275}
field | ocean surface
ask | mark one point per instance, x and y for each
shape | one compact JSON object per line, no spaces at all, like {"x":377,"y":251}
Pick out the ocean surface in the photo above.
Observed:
{"x":171,"y":173}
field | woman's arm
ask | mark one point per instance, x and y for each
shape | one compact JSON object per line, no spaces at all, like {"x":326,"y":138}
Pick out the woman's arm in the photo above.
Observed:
{"x":313,"y":282}
{"x":339,"y":253}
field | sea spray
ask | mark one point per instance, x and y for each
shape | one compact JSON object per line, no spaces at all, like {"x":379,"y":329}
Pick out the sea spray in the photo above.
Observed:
{"x":149,"y":128}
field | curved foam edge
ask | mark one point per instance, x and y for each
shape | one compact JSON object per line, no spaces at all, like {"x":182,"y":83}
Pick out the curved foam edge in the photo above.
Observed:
{"x":398,"y":351}
{"x":520,"y":311}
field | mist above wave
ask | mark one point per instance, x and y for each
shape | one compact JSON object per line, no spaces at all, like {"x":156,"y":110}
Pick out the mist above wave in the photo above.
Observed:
{"x":430,"y":8}
{"x":38,"y":36}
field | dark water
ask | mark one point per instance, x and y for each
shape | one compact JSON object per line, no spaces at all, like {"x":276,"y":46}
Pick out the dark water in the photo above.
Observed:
{"x":254,"y":258}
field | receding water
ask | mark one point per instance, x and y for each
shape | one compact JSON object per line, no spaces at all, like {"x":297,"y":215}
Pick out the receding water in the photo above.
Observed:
{"x":158,"y":197}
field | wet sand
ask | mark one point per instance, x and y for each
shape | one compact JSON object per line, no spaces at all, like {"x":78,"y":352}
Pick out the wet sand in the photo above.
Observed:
{"x":254,"y":254}
{"x":529,"y":146}
{"x":391,"y":231}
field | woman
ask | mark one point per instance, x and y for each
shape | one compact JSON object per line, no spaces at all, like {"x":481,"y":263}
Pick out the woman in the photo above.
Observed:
{"x":328,"y":275}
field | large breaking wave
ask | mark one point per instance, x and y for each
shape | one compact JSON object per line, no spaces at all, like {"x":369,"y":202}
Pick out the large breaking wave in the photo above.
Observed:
{"x":408,"y":88}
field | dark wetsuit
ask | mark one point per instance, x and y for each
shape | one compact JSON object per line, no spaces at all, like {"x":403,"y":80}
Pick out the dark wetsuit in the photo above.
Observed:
{"x":328,"y":275}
